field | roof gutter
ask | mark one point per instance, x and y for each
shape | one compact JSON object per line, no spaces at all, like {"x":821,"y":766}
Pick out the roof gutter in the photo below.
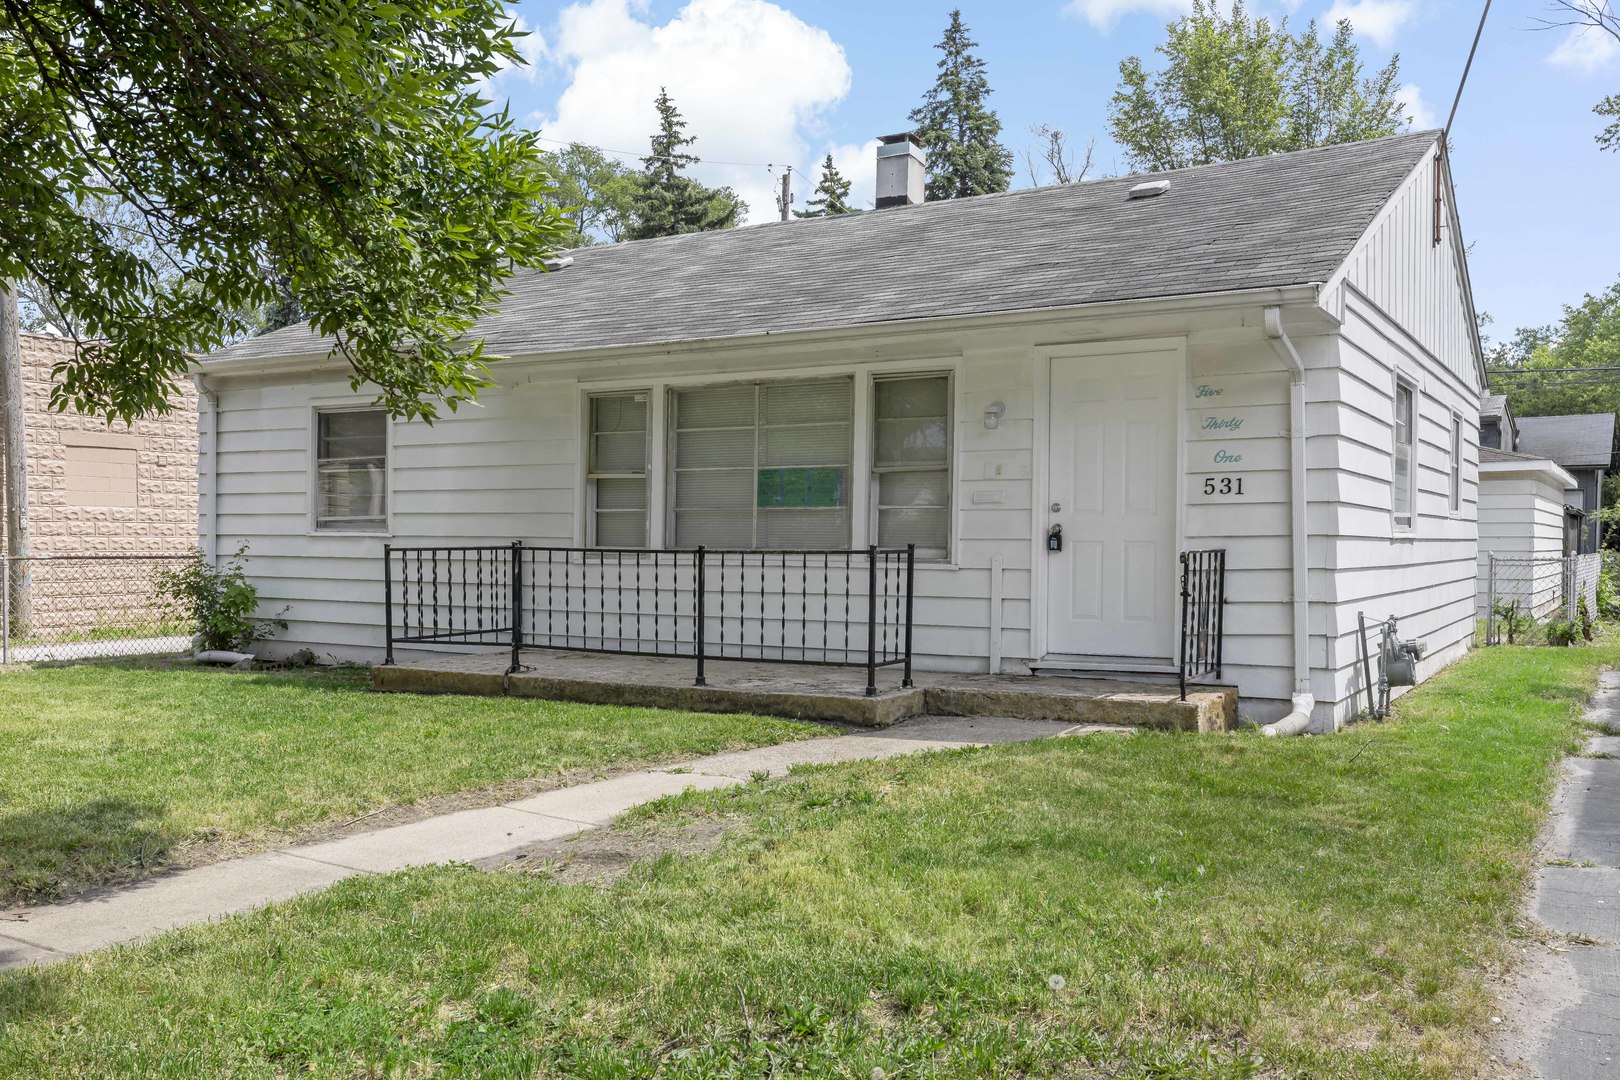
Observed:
{"x":1298,"y":719}
{"x":1305,"y":293}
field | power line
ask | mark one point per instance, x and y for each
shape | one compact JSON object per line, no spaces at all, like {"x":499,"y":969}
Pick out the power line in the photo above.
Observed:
{"x":667,"y":157}
{"x":1446,"y":131}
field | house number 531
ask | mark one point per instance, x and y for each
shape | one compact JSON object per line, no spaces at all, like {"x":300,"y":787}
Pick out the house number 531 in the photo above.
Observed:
{"x":1223,"y":485}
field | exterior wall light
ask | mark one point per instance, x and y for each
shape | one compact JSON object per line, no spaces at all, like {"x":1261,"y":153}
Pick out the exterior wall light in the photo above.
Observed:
{"x":993,"y":414}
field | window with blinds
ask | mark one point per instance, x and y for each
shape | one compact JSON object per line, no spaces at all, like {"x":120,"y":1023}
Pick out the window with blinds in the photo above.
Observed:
{"x":1403,"y":488}
{"x":618,"y":470}
{"x":351,"y":468}
{"x":911,"y":463}
{"x":762,"y":465}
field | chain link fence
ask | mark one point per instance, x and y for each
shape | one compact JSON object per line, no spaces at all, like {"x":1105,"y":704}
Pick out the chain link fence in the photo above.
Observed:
{"x":1523,"y":593}
{"x":81,"y":607}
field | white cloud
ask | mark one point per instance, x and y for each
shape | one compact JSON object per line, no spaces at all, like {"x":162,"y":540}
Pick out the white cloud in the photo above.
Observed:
{"x":1413,"y":105}
{"x":858,"y":164}
{"x":1379,"y":20}
{"x":752,"y":81}
{"x":1585,"y":50}
{"x":1103,"y":14}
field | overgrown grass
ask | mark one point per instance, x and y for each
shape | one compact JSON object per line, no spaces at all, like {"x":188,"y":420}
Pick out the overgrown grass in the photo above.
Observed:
{"x":1210,"y":906}
{"x":107,"y":768}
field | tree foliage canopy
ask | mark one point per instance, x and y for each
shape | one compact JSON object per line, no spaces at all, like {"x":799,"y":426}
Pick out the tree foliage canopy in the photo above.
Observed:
{"x":667,"y":202}
{"x":831,"y":196}
{"x":1235,"y":87}
{"x":1588,"y":336}
{"x":597,"y":193}
{"x":957,"y":125}
{"x":336,"y":146}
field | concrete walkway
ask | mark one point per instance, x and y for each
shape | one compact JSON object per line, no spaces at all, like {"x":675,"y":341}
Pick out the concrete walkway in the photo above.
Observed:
{"x":54,"y":932}
{"x":1568,"y":1003}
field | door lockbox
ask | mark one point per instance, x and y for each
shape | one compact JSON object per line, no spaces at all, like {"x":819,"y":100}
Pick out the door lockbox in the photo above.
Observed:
{"x":1054,"y":538}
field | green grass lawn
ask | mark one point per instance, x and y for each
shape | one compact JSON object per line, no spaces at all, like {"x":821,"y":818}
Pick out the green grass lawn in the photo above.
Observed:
{"x":107,"y":771}
{"x":1154,"y":906}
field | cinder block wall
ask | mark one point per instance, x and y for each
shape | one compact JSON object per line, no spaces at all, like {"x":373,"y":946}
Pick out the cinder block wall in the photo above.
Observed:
{"x":95,"y":488}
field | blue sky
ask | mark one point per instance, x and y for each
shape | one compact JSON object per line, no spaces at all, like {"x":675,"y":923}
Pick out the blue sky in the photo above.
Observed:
{"x":789,"y":82}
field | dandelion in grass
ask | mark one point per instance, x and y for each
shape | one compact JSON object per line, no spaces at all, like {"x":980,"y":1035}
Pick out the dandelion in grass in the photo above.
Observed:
{"x":1056,"y":982}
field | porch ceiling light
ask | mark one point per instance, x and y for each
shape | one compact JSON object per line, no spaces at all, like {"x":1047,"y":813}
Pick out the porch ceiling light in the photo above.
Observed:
{"x":993,"y":414}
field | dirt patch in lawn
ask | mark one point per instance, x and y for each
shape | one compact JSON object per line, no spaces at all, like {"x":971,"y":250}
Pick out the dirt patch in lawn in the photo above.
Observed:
{"x":602,"y":856}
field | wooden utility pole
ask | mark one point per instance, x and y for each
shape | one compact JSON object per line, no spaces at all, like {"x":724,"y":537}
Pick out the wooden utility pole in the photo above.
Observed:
{"x":784,"y":201}
{"x":14,"y":449}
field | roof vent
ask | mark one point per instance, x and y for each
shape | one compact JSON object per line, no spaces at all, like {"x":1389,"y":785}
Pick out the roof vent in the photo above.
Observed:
{"x":553,"y":265}
{"x":1149,"y":189}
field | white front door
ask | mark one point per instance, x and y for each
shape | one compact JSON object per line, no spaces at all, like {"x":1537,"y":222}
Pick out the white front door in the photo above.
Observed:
{"x":1112,"y":485}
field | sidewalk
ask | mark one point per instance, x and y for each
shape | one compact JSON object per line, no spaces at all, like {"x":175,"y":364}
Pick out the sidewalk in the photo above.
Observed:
{"x":53,"y":932}
{"x":1568,"y":1017}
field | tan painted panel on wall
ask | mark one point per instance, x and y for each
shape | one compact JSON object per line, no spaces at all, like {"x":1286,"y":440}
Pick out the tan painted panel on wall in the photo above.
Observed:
{"x":100,"y":475}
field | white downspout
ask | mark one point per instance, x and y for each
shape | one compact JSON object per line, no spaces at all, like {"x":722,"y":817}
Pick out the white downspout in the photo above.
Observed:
{"x":210,"y":535}
{"x":1299,"y":717}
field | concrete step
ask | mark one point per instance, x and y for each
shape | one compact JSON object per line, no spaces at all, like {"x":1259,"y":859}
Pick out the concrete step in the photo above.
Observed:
{"x":814,"y":693}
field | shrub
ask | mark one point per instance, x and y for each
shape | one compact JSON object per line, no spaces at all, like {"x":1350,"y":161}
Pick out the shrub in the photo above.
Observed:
{"x":219,"y":601}
{"x":1608,"y":587}
{"x":1514,"y":622}
{"x":1563,"y":632}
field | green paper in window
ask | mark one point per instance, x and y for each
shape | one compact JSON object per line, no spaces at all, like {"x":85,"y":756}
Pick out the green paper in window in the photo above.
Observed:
{"x":795,"y":489}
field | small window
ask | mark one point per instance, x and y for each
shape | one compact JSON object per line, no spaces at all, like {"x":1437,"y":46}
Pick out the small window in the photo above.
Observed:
{"x":1403,"y":488}
{"x":351,"y":464}
{"x":911,"y":463}
{"x":618,"y":470}
{"x":1455,"y":488}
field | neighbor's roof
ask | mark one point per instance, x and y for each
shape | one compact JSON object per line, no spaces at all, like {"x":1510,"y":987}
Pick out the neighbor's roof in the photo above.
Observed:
{"x":1582,"y":441}
{"x":1287,"y":219}
{"x":1511,"y":464}
{"x":1493,"y":405}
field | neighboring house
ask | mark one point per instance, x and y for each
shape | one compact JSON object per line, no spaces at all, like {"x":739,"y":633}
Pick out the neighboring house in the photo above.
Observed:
{"x":1113,"y":359}
{"x":1497,"y":428}
{"x":1585,"y":446}
{"x":99,"y":488}
{"x":1522,"y":513}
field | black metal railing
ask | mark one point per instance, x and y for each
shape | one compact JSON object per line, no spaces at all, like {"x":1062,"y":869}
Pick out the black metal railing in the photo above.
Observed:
{"x":1203,"y":603}
{"x":831,"y":607}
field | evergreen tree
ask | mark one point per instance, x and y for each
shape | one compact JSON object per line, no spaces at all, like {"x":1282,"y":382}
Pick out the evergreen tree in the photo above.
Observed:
{"x":667,"y":202}
{"x":958,"y":128}
{"x":1235,"y":87}
{"x":831,"y":194}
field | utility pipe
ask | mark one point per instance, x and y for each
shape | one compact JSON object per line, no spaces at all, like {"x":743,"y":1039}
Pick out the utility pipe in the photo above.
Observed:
{"x":207,"y":395}
{"x":1299,"y":716}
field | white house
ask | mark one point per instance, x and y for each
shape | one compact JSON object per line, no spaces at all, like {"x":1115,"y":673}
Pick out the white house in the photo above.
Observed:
{"x":1276,"y":358}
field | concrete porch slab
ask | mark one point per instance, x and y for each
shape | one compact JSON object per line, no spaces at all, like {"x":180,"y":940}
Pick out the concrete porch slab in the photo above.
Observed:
{"x":836,"y":694}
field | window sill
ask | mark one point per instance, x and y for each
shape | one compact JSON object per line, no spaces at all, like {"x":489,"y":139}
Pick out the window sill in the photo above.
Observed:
{"x":375,"y":534}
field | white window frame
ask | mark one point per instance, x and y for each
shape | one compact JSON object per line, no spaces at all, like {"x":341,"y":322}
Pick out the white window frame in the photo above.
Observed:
{"x":315,"y":528}
{"x":1409,"y":527}
{"x":592,"y":476}
{"x":1454,"y":473}
{"x":873,"y":487}
{"x":671,"y":436}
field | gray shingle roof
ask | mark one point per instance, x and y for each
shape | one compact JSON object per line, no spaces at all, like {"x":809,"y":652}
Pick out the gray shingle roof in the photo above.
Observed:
{"x":1575,"y":442}
{"x":1489,"y":454}
{"x":1289,"y":219}
{"x":1492,"y":404}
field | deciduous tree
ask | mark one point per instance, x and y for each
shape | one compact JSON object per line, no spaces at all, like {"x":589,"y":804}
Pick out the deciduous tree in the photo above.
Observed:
{"x":1234,"y":86}
{"x":335,"y":151}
